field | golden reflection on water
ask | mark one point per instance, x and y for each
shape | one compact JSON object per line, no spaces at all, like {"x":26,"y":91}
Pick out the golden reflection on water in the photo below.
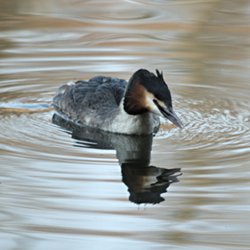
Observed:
{"x":60,"y":192}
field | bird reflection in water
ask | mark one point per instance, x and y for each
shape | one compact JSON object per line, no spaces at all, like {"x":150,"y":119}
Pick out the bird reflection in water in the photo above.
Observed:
{"x":145,"y":183}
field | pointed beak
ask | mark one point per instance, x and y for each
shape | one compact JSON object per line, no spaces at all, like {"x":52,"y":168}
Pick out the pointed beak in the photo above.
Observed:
{"x":170,"y":115}
{"x":173,"y":118}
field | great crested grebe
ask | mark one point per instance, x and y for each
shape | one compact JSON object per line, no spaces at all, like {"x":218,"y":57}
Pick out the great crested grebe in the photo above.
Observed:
{"x":118,"y":106}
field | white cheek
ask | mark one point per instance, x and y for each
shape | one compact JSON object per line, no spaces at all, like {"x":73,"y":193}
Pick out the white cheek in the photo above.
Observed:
{"x":153,"y":108}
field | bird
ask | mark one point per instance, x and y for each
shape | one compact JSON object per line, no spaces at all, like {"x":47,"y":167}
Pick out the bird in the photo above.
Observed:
{"x":118,"y":106}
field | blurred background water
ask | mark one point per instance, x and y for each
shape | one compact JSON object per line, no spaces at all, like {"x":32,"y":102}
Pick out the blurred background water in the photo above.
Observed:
{"x":61,"y":187}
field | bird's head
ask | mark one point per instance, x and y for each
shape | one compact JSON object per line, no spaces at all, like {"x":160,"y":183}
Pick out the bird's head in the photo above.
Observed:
{"x":148,"y":92}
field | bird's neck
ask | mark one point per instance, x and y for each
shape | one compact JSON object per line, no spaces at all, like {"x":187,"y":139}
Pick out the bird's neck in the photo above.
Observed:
{"x":132,"y":124}
{"x":134,"y":101}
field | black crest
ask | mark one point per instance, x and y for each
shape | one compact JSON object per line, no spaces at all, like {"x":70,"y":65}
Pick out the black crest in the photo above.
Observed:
{"x":159,"y":74}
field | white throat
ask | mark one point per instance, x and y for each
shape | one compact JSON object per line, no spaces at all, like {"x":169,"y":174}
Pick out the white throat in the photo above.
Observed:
{"x":131,"y":124}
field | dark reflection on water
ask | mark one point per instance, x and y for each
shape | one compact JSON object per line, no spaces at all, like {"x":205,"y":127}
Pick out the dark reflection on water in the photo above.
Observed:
{"x":145,"y":183}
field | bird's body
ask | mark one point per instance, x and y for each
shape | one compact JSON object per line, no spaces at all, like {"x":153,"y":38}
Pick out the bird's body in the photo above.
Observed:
{"x":112,"y":104}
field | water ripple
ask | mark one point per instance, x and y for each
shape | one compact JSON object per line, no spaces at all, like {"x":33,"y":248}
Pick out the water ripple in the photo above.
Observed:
{"x":212,"y":123}
{"x":55,"y":186}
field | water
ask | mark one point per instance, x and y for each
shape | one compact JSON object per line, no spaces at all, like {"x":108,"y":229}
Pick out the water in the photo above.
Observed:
{"x":62,"y":188}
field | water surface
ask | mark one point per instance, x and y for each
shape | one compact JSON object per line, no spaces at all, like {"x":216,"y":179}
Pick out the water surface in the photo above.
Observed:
{"x":62,"y":188}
